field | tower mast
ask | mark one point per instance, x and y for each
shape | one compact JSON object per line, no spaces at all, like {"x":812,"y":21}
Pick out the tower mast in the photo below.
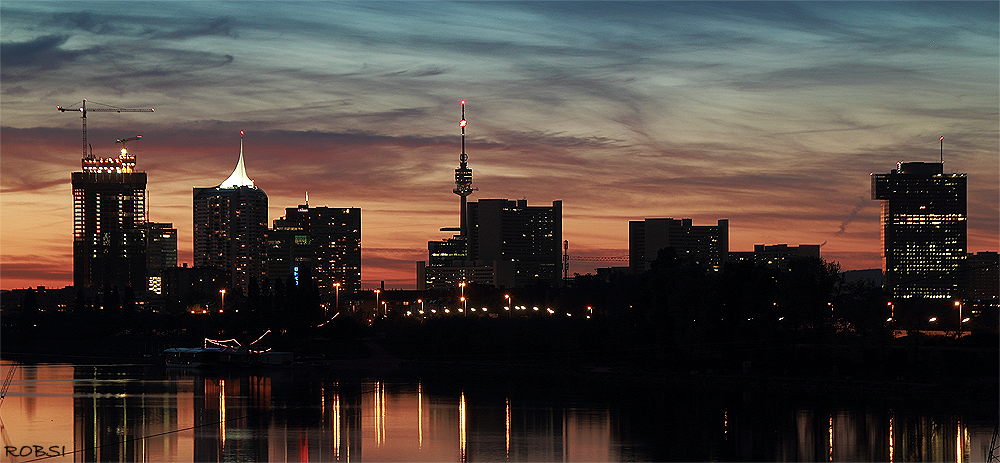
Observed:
{"x":463,"y":181}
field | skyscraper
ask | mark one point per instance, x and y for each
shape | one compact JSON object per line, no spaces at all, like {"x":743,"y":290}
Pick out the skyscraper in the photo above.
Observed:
{"x":230,"y":227}
{"x":109,"y":232}
{"x":706,"y":245}
{"x":327,"y":240}
{"x":923,"y":229}
{"x":528,"y":237}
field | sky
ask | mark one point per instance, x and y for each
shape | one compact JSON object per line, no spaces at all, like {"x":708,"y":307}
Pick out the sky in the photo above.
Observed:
{"x":771,"y":115}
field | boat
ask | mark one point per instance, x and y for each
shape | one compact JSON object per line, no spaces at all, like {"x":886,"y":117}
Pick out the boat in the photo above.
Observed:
{"x":227,"y":353}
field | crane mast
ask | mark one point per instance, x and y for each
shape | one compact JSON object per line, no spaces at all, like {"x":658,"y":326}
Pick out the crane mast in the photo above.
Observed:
{"x":108,"y":109}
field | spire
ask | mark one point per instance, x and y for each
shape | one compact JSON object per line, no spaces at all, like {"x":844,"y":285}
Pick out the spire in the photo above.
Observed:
{"x":239,"y":177}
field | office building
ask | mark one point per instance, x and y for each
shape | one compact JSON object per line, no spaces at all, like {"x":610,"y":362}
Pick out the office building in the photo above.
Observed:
{"x":923,"y":229}
{"x":527,"y":237}
{"x":324,"y":239}
{"x":776,"y":256}
{"x":161,"y":253}
{"x":230,"y":227}
{"x":982,"y":280}
{"x":705,"y":245}
{"x":499,"y":242}
{"x":510,"y":244}
{"x":109,"y":224}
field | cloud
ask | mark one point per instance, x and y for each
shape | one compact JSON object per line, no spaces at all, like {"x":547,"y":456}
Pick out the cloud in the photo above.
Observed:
{"x":835,"y":74}
{"x":20,"y":60}
{"x":218,"y":27}
{"x":83,"y":20}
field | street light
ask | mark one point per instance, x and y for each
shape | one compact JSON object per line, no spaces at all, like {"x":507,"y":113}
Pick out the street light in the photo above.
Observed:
{"x":336,"y":286}
{"x":959,"y":305}
{"x":376,"y":300}
{"x":509,"y":305}
{"x":464,"y":311}
{"x":223,"y":293}
{"x":421,"y":301}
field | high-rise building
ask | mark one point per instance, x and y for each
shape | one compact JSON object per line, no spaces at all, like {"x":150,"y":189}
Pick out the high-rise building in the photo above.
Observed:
{"x":923,"y":229}
{"x":109,"y":231}
{"x":706,"y":245}
{"x":529,"y":237}
{"x":161,"y":253}
{"x":500,"y":242}
{"x":230,"y":227}
{"x":324,"y":239}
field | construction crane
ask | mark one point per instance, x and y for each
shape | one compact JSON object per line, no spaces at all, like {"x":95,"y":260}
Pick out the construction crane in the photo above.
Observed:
{"x":128,"y":160}
{"x":567,"y":257}
{"x":108,"y":109}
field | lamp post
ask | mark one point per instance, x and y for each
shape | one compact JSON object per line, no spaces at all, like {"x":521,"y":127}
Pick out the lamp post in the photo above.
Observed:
{"x":336,"y":287}
{"x":959,"y":305}
{"x":464,"y":311}
{"x":421,"y":301}
{"x":376,"y":300}
{"x":510,"y":306}
{"x":223,"y":293}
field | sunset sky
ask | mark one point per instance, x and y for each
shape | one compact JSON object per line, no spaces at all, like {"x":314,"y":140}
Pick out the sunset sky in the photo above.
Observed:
{"x":772,"y":115}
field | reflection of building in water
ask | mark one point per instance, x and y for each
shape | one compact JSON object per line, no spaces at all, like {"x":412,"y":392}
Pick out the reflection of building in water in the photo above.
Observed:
{"x":851,"y":435}
{"x":112,"y":415}
{"x":226,"y":411}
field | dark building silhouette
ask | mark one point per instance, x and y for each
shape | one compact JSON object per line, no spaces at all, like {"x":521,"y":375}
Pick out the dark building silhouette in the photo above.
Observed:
{"x":529,"y":237}
{"x":187,"y":288}
{"x":510,"y":244}
{"x":499,"y":242}
{"x":327,"y":240}
{"x":924,"y":233}
{"x":706,"y":245}
{"x":230,"y":227}
{"x":109,"y":230}
{"x":161,"y":253}
{"x":776,"y":256}
{"x":982,"y":277}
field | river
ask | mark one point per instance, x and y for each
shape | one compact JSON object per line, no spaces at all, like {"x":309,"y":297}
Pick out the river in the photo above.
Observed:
{"x":134,"y":412}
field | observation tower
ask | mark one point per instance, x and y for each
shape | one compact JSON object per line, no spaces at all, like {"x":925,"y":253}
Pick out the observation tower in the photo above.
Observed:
{"x":463,"y":180}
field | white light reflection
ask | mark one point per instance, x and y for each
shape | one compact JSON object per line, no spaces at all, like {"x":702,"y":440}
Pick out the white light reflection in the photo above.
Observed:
{"x":379,"y":414}
{"x":958,"y":443}
{"x":461,"y":425}
{"x":336,"y":423}
{"x":892,"y":436}
{"x":508,"y":429}
{"x":222,"y":411}
{"x":420,"y":416}
{"x":831,"y":437}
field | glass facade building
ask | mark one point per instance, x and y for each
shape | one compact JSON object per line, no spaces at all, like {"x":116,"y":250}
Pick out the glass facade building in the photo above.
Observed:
{"x":109,"y":224}
{"x":924,"y":229}
{"x":230,"y":228}
{"x":327,"y":240}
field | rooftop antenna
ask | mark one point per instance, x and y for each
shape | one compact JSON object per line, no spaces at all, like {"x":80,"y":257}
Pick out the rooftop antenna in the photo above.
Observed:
{"x":942,"y":149}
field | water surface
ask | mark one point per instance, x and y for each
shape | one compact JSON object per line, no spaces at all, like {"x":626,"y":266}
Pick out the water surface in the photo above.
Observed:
{"x":83,"y":412}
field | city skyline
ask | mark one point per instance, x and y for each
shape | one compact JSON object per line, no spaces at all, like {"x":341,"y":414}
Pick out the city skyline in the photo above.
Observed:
{"x":771,"y":115}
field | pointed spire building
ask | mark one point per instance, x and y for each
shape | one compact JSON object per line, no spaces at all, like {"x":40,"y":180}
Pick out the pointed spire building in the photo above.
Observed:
{"x":230,"y":227}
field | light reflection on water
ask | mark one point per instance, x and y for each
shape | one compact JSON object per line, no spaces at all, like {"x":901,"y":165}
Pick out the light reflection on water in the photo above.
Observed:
{"x":141,"y":413}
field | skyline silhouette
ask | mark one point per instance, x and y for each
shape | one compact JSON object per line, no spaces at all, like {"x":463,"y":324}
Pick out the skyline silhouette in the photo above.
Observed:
{"x":769,"y":115}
